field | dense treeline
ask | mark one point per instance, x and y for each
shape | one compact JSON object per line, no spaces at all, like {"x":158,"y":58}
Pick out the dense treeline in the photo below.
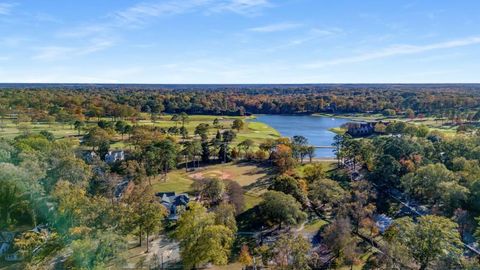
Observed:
{"x":82,"y":211}
{"x":65,"y":103}
{"x":89,"y":215}
{"x":436,"y":179}
{"x":438,"y":171}
{"x":46,"y":181}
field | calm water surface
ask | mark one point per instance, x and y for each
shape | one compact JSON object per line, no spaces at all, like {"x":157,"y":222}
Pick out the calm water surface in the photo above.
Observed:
{"x":315,"y":128}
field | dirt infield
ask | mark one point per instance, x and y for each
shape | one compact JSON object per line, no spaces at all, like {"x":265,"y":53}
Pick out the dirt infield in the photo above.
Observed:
{"x":243,"y":173}
{"x":212,"y":174}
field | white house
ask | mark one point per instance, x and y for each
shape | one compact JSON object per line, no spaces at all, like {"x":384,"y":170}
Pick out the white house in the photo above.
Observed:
{"x":114,"y":156}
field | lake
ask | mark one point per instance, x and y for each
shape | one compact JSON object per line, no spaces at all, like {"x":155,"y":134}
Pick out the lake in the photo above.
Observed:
{"x":315,"y":128}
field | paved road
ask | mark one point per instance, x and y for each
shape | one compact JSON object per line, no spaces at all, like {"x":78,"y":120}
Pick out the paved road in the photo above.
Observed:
{"x":414,"y":208}
{"x":166,"y":249}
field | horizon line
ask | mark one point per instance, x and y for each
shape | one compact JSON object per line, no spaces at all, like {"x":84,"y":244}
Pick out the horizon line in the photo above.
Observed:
{"x":240,"y":84}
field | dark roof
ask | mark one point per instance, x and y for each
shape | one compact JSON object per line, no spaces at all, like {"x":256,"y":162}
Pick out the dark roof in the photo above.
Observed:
{"x":6,"y":237}
{"x":161,"y":194}
{"x":120,"y":188}
{"x":171,"y":201}
{"x":181,"y":199}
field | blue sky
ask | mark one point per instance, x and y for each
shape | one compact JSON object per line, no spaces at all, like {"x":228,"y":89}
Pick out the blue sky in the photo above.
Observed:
{"x":240,"y":41}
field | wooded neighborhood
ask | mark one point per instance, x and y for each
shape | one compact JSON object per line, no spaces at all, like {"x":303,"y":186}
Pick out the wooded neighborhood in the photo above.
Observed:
{"x":123,"y":190}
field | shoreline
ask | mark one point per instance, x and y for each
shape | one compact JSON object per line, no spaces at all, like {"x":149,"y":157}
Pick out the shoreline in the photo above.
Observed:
{"x":324,"y":159}
{"x":334,"y":130}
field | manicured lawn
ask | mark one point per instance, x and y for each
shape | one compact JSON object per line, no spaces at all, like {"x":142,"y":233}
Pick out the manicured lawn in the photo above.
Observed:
{"x":255,"y":131}
{"x":177,"y":181}
{"x":10,"y":130}
{"x":363,"y":259}
{"x":244,"y":173}
{"x":251,"y":200}
{"x":327,"y":165}
{"x":338,"y":130}
{"x":250,"y":176}
{"x":232,"y":266}
{"x":314,"y":226}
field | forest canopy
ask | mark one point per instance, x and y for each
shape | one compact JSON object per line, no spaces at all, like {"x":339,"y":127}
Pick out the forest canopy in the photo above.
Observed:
{"x":67,"y":101}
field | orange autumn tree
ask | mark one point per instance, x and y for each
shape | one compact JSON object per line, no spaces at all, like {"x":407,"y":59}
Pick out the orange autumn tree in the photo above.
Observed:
{"x":283,"y":158}
{"x":245,"y":258}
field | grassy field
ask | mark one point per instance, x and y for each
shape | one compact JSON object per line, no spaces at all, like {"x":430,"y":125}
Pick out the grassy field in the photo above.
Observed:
{"x":327,"y":165}
{"x":177,"y":181}
{"x":11,"y":130}
{"x":338,"y":130}
{"x":232,"y":266}
{"x":255,"y":131}
{"x":252,"y":177}
{"x":314,"y":226}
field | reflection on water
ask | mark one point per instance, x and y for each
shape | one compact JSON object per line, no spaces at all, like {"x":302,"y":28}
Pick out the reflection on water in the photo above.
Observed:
{"x":315,"y":128}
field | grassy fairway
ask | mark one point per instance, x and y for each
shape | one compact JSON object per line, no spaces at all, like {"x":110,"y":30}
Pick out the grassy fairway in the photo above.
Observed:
{"x":11,"y":130}
{"x":192,"y":122}
{"x":253,"y":179}
{"x":249,"y":176}
{"x":258,"y":132}
{"x":177,"y":181}
{"x":255,"y":131}
{"x":252,"y":200}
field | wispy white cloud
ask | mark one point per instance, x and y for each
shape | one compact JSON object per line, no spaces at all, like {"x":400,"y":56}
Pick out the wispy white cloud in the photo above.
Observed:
{"x":311,"y":35}
{"x":276,"y":27}
{"x":85,"y":31}
{"x":139,"y":13}
{"x":243,"y":7}
{"x":6,"y":8}
{"x":52,"y":53}
{"x":395,"y":51}
{"x":95,"y":46}
{"x":134,"y":16}
{"x":105,"y":33}
{"x":325,"y":32}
